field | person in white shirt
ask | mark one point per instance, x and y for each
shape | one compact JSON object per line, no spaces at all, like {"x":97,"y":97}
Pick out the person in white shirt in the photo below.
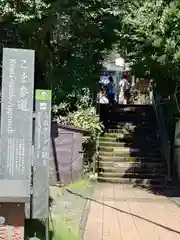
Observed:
{"x":124,"y":86}
{"x":121,"y":91}
{"x":102,"y":97}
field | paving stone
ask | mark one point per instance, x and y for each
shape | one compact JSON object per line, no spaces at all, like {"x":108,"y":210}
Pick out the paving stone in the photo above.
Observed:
{"x":125,"y":214}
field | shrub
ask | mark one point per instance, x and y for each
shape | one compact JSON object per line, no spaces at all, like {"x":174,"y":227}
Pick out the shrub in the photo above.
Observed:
{"x":83,"y":116}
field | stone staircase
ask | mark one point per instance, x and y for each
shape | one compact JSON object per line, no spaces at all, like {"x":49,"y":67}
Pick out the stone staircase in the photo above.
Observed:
{"x":130,"y":154}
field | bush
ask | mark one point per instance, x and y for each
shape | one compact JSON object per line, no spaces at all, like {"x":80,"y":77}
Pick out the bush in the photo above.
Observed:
{"x":81,"y":114}
{"x":86,"y":119}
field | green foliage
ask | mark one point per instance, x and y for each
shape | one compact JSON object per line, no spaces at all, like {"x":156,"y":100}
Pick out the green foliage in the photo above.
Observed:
{"x":23,"y":10}
{"x":70,"y":39}
{"x":81,"y":113}
{"x":78,"y":110}
{"x":77,"y":98}
{"x":87,"y":120}
{"x":64,"y":229}
{"x":150,"y":39}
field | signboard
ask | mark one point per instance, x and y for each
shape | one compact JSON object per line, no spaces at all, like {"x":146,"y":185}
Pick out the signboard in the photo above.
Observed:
{"x":142,"y":84}
{"x":42,"y":149}
{"x":16,"y":118}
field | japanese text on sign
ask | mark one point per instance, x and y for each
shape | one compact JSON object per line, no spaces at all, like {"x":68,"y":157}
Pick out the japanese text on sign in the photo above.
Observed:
{"x":42,"y":145}
{"x":22,"y":104}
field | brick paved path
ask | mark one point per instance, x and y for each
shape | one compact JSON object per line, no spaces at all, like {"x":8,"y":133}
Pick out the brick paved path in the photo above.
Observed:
{"x":131,"y":214}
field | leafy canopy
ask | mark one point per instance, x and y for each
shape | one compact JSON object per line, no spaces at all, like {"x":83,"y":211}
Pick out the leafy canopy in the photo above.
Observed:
{"x":70,"y":39}
{"x":23,"y":10}
{"x":150,"y":39}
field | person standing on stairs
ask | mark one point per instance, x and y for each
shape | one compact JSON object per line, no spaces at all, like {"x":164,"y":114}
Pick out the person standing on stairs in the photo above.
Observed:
{"x":102,"y":97}
{"x":150,"y":91}
{"x":150,"y":86}
{"x":121,"y":91}
{"x":111,"y":90}
{"x":125,"y":86}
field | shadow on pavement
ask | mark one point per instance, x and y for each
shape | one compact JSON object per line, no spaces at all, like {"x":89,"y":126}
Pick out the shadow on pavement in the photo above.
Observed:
{"x":122,"y":211}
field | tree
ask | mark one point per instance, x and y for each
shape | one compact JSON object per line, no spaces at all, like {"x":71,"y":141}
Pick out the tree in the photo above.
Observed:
{"x":150,"y":39}
{"x":70,"y":38}
{"x":22,"y":10}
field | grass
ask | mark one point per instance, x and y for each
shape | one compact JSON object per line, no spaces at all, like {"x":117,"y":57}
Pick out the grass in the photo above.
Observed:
{"x":63,"y":230}
{"x":60,"y":228}
{"x":81,"y":184}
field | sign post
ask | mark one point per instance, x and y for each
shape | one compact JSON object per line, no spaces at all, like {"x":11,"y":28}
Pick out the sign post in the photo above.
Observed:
{"x":41,"y":161}
{"x":16,"y":131}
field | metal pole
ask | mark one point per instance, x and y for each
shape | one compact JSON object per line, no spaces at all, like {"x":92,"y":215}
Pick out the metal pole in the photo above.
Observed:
{"x":47,"y":219}
{"x":47,"y":229}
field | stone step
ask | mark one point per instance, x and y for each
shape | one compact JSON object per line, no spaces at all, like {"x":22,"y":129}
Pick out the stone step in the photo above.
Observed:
{"x":107,"y":139}
{"x":130,"y":159}
{"x":132,"y":175}
{"x":127,"y":108}
{"x":135,"y":111}
{"x":129,"y":114}
{"x":115,"y":133}
{"x":135,"y":107}
{"x":135,"y":137}
{"x":140,"y":129}
{"x":131,"y":166}
{"x":149,"y":131}
{"x":116,"y":140}
{"x":111,"y":144}
{"x":120,"y":123}
{"x":158,"y":183}
{"x":110,"y":125}
{"x":125,"y":152}
{"x":145,"y":145}
{"x":144,"y":141}
{"x":143,"y":123}
{"x":121,"y":138}
{"x":119,"y":149}
{"x":130,"y":117}
{"x":119,"y":120}
{"x":131,"y":109}
{"x":116,"y":149}
{"x":133,"y":171}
